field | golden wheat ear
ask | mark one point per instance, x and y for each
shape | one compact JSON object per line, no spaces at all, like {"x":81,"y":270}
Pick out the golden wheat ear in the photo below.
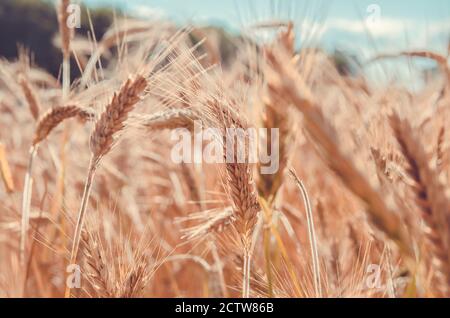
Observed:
{"x":55,"y":116}
{"x":430,"y":196}
{"x":107,"y":128}
{"x":240,"y":185}
{"x":45,"y":125}
{"x":112,"y":120}
{"x":170,"y":119}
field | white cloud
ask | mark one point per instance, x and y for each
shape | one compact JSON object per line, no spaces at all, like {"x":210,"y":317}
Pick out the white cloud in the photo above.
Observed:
{"x":383,"y":27}
{"x":146,"y":11}
{"x":439,"y":27}
{"x":390,"y":28}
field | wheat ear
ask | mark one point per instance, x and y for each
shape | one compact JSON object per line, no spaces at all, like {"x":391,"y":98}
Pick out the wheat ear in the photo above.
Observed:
{"x":96,"y":269}
{"x":49,"y":121}
{"x":430,"y":197}
{"x":170,"y":119}
{"x":103,"y":138}
{"x":53,"y":117}
{"x":241,"y":186}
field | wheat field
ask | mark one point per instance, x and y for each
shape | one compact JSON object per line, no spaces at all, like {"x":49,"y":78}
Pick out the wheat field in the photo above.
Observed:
{"x":91,"y":204}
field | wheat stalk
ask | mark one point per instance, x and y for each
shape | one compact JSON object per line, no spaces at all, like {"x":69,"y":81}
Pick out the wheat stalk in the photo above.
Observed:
{"x":46,"y":124}
{"x":103,"y":138}
{"x":311,"y":233}
{"x":241,"y":186}
{"x":26,"y":204}
{"x":430,"y":197}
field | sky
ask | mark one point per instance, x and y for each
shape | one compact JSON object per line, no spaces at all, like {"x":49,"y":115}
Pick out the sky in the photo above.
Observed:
{"x":361,"y":27}
{"x":336,"y":22}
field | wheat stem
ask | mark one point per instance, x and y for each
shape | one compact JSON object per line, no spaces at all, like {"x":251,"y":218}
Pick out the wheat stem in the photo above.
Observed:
{"x":65,"y":78}
{"x":246,"y":273}
{"x":81,"y":215}
{"x":26,"y":203}
{"x":311,"y":234}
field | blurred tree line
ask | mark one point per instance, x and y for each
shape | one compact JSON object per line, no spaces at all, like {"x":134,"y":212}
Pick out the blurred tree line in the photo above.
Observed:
{"x":33,"y":24}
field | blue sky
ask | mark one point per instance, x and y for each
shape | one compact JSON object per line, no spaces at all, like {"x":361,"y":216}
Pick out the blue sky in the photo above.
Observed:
{"x":225,"y":9}
{"x":400,"y":22}
{"x":362,"y":27}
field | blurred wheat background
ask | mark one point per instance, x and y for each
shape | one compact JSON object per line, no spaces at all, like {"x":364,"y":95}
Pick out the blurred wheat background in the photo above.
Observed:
{"x":359,"y":207}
